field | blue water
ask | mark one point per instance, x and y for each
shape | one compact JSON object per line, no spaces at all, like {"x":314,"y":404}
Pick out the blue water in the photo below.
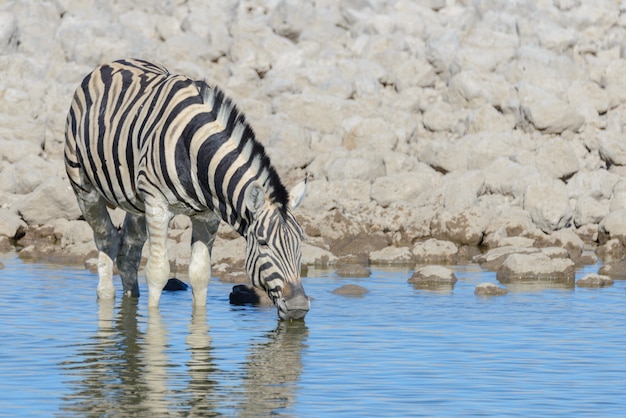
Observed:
{"x":396,"y":351}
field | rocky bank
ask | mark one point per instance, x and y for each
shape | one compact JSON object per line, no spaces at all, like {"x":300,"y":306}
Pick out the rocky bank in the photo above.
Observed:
{"x":434,"y":129}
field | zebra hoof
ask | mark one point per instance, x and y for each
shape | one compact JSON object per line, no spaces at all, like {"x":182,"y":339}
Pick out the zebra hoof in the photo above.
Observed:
{"x":174,"y":285}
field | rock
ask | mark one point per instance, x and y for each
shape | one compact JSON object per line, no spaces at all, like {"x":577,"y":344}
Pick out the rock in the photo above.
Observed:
{"x":433,"y":278}
{"x":546,"y":112}
{"x":465,"y":227}
{"x":509,"y":178}
{"x":494,"y":258}
{"x":613,"y":226}
{"x":351,"y":290}
{"x":535,"y":267}
{"x":489,"y":289}
{"x":594,"y":280}
{"x":56,"y":196}
{"x":461,"y":190}
{"x":248,"y":295}
{"x":175,"y":285}
{"x":392,"y":256}
{"x":5,"y":244}
{"x":556,"y":158}
{"x":547,"y":203}
{"x":404,"y":187}
{"x":611,"y":250}
{"x":567,"y":239}
{"x":613,"y":149}
{"x":353,"y":270}
{"x":614,"y":269}
{"x":590,"y":211}
{"x":11,"y":225}
{"x":435,"y":251}
{"x":316,"y":256}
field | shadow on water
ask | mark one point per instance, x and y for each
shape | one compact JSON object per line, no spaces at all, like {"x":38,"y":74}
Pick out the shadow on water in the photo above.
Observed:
{"x":124,"y":371}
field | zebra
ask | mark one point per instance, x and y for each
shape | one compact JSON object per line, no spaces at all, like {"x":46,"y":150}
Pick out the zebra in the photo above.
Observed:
{"x":157,"y":144}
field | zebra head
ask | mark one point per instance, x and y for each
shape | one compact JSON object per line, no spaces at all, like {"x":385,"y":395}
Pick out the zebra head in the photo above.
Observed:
{"x":274,"y":251}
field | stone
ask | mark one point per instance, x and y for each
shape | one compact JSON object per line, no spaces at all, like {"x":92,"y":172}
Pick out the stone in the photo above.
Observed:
{"x":589,"y":210}
{"x":613,"y":226}
{"x":248,"y":295}
{"x":535,"y":267}
{"x":175,"y":285}
{"x":316,"y":256}
{"x":495,"y":257}
{"x":546,"y":112}
{"x":403,"y":187}
{"x":489,"y":289}
{"x":465,"y":227}
{"x":547,"y":203}
{"x":614,"y":269}
{"x":392,"y":256}
{"x":613,"y":149}
{"x":435,"y":251}
{"x":594,"y":280}
{"x":11,"y":225}
{"x":611,"y":250}
{"x":56,"y":196}
{"x":353,"y":290}
{"x":433,"y":278}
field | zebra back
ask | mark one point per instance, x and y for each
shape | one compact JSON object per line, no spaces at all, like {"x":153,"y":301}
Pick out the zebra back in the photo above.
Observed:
{"x":134,"y":129}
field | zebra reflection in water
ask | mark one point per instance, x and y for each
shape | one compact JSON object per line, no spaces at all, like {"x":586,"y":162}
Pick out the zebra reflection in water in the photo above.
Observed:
{"x":131,"y":367}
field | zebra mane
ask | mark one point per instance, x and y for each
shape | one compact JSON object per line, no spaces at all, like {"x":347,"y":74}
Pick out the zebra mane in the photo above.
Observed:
{"x":236,"y":125}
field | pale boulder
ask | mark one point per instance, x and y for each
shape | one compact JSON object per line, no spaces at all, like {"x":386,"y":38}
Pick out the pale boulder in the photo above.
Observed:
{"x":613,"y":226}
{"x":537,"y":266}
{"x":392,"y":256}
{"x":547,"y":203}
{"x":435,"y":251}
{"x":403,"y":187}
{"x":51,"y":200}
{"x":11,"y":224}
{"x":546,"y":112}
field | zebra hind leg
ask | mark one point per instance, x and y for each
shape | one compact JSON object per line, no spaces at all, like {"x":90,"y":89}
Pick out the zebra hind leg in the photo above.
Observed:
{"x":106,"y":236}
{"x":129,"y":255}
{"x":203,"y":234}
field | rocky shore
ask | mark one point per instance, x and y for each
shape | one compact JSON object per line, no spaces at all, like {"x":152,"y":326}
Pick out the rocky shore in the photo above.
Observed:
{"x":436,"y":131}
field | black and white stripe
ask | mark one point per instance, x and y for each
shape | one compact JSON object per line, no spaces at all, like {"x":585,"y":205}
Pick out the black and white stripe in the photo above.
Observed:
{"x":147,"y":141}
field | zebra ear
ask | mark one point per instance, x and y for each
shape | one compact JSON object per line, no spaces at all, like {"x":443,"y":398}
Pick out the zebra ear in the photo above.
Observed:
{"x":254,"y":197}
{"x":296,"y":195}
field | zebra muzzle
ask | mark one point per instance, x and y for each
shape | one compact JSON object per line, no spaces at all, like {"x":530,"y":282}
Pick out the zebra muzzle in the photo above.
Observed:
{"x":294,"y":307}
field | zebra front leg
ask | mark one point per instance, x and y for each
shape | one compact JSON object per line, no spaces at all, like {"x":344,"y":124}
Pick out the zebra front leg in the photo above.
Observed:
{"x":158,"y":267}
{"x":129,"y":255}
{"x":106,"y":237}
{"x":204,"y":228}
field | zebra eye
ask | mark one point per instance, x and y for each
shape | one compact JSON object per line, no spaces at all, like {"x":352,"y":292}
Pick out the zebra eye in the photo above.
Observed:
{"x":262,"y":242}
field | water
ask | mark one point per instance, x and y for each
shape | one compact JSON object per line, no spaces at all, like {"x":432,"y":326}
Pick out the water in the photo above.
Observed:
{"x":397,"y":351}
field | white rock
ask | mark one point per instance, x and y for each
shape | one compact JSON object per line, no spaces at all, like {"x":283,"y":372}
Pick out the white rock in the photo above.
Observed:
{"x":614,"y":225}
{"x":392,"y":256}
{"x":434,"y":250}
{"x":403,"y":187}
{"x":590,"y":211}
{"x":547,"y":203}
{"x":10,"y":223}
{"x":546,"y":112}
{"x":53,"y":199}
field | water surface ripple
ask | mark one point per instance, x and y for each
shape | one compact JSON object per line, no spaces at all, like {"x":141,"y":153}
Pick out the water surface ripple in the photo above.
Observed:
{"x":397,"y":351}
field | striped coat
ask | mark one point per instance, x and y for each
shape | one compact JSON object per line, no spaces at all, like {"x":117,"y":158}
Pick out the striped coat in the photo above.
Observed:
{"x":157,"y":144}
